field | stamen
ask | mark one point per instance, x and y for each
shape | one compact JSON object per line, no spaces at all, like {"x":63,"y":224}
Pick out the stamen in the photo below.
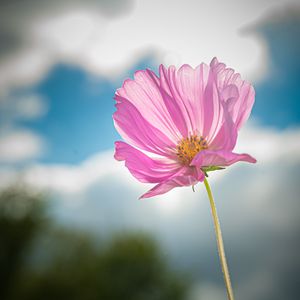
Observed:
{"x":188,"y":147}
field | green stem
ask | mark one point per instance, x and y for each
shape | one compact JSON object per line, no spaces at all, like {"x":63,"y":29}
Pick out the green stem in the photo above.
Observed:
{"x":219,"y":242}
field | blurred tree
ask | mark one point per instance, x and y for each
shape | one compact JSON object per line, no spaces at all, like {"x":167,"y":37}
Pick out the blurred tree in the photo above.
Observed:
{"x":20,"y":219}
{"x":73,"y":267}
{"x":68,"y":264}
{"x":133,"y":268}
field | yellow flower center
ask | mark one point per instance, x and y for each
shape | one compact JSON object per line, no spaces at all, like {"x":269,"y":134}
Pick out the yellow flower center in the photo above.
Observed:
{"x":188,"y":147}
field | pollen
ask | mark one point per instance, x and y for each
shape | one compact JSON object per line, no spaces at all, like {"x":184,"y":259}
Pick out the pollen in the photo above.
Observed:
{"x":188,"y":147}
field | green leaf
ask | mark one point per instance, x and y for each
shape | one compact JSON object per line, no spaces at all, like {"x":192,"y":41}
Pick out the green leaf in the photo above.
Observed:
{"x":211,"y":168}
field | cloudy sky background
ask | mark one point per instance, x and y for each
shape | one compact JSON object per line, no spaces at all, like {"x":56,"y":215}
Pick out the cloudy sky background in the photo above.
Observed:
{"x":60,"y":63}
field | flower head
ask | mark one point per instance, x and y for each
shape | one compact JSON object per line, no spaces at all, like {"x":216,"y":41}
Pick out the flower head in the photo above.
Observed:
{"x":181,"y":124}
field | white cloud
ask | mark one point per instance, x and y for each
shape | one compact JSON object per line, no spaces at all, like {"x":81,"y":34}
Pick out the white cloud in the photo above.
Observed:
{"x":269,"y":144}
{"x":24,"y":107}
{"x":19,"y":145}
{"x":30,"y":107}
{"x":258,"y":285}
{"x":24,"y":68}
{"x":176,"y":31}
{"x":207,"y":291}
{"x":73,"y":179}
{"x":8,"y":176}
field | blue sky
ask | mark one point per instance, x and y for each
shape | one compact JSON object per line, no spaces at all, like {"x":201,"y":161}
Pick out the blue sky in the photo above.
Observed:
{"x":79,"y":121}
{"x":79,"y":118}
{"x":277,"y":101}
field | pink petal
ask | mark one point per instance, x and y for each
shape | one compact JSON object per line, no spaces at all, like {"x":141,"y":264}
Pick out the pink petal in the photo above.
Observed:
{"x":198,"y":173}
{"x":219,"y":129}
{"x":241,"y":100}
{"x":186,"y":86}
{"x":144,"y":168}
{"x":163,"y":187}
{"x":136,"y":130}
{"x":197,"y":97}
{"x":226,"y":134}
{"x":176,"y":112}
{"x":221,"y":158}
{"x":145,"y":94}
{"x":170,"y":80}
{"x":212,"y":108}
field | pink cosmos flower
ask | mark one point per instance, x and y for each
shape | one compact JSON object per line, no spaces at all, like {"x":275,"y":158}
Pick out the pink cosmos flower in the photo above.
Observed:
{"x":188,"y":119}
